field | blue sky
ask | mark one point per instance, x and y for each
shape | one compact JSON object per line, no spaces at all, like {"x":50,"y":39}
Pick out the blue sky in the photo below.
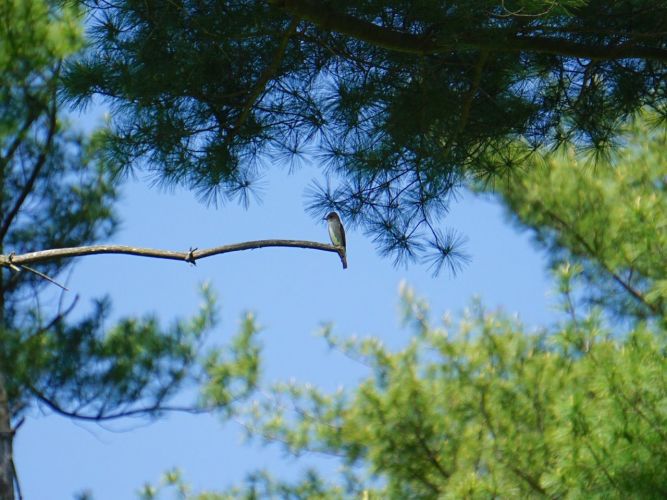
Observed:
{"x":292,"y":293}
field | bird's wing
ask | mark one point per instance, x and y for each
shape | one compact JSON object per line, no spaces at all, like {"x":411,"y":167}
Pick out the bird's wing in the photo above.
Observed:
{"x":342,"y":233}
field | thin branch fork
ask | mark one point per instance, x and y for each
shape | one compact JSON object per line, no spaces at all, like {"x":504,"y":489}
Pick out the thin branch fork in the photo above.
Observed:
{"x":13,"y":261}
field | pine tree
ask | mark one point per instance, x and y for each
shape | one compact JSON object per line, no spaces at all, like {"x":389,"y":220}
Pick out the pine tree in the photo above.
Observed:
{"x":401,"y":102}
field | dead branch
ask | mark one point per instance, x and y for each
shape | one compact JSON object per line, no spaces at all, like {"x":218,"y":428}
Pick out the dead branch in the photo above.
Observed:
{"x":13,"y":261}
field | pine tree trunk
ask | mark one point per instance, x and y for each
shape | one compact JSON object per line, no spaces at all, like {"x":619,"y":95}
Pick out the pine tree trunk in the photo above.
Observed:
{"x":6,"y":434}
{"x":6,"y":438}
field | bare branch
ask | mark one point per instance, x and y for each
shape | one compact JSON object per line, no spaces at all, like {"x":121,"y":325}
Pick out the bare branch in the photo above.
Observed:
{"x":190,"y":256}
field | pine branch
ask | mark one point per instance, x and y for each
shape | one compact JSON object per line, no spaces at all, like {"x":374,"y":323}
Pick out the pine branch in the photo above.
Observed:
{"x":493,"y":40}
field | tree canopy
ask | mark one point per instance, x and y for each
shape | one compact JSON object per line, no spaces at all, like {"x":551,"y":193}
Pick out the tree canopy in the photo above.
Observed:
{"x":400,"y":102}
{"x":403,"y":102}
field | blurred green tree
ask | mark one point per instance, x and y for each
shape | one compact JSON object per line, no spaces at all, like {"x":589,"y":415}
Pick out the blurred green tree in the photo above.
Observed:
{"x":609,"y":219}
{"x":57,"y":190}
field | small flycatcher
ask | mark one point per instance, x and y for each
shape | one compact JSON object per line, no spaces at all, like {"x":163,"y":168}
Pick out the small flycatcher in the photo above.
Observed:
{"x":337,"y":234}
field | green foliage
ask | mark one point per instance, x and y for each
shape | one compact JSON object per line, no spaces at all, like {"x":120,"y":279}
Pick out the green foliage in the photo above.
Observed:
{"x":33,"y":35}
{"x":236,"y":371}
{"x":402,"y":101}
{"x":484,"y":407}
{"x":258,"y":485}
{"x":609,"y":218}
{"x":489,"y":409}
{"x":481,"y":409}
{"x":135,"y":367}
{"x":57,"y":189}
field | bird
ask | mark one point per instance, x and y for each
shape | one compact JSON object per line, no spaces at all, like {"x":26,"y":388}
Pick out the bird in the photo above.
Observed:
{"x":337,"y":235}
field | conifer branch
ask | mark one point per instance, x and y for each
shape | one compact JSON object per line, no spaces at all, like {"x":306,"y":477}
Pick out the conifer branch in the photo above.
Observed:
{"x":494,"y":40}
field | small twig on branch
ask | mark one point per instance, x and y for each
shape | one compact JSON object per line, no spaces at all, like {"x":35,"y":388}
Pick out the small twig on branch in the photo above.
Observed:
{"x":190,"y":256}
{"x":10,"y":264}
{"x":44,"y":276}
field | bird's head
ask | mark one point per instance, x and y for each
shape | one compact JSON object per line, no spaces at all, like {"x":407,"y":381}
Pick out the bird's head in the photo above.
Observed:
{"x":332,"y":217}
